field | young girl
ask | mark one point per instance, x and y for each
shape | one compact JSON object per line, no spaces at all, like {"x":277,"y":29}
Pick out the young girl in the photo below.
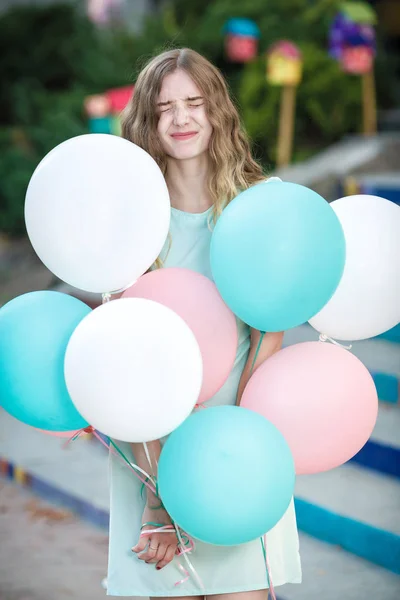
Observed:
{"x":182,"y":115}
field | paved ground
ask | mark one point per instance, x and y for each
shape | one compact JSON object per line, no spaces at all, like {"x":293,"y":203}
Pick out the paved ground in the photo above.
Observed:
{"x":45,"y":552}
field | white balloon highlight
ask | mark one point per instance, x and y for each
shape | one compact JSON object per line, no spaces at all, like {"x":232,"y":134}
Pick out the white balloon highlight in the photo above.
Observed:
{"x":97,"y":212}
{"x":133,"y":369}
{"x":367,"y":300}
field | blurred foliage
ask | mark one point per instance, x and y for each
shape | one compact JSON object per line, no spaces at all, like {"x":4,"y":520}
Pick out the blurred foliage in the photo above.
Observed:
{"x":52,"y":56}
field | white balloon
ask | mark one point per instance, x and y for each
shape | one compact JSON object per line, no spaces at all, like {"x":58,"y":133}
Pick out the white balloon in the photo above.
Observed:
{"x":97,"y":212}
{"x":133,"y":369}
{"x":367,"y":300}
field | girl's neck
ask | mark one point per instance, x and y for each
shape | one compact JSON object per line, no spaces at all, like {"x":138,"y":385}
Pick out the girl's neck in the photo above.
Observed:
{"x":187,"y":182}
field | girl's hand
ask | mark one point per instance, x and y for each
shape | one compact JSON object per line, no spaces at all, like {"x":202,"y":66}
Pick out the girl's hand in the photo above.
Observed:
{"x":157,"y":548}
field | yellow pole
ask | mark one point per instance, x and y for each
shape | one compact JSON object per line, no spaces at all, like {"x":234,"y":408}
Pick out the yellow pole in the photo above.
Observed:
{"x":286,"y":125}
{"x":369,"y":103}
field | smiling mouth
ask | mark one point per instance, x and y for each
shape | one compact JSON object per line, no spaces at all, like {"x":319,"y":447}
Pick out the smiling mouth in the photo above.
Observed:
{"x":184,"y":136}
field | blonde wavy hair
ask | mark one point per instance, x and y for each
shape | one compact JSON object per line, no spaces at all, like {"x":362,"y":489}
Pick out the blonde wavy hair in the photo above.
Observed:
{"x":233,"y":168}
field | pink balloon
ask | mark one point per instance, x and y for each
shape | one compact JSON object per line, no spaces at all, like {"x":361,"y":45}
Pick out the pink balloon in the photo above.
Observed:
{"x":196,"y":299}
{"x":321,"y":397}
{"x":60,"y":434}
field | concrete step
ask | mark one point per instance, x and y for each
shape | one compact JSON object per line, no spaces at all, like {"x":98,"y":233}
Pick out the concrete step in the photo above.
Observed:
{"x":350,"y":506}
{"x":380,"y":356}
{"x":387,"y":428}
{"x":329,"y":573}
{"x":393,"y":335}
{"x":355,"y":508}
{"x":382,"y":451}
{"x":75,"y":476}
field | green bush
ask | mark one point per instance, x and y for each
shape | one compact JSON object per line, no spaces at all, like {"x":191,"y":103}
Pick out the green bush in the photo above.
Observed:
{"x":52,"y":56}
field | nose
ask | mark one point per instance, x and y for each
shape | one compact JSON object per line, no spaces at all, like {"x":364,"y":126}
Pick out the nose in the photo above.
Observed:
{"x":181,"y":116}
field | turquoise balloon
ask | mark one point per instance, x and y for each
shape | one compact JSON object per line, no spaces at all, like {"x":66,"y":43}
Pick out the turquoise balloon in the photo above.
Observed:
{"x":277,"y":255}
{"x":226,"y":475}
{"x":34,"y":332}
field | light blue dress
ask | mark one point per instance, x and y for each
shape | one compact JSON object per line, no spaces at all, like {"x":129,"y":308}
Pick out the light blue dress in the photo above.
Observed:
{"x":222,"y":569}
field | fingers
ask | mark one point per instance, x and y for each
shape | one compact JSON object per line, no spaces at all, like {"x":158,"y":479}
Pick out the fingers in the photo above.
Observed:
{"x":162,"y":548}
{"x":167,"y":558}
{"x":150,"y":554}
{"x":141,"y":545}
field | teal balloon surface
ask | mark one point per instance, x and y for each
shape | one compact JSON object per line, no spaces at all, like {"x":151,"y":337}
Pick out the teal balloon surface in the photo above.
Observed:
{"x":34,"y":332}
{"x":277,"y":255}
{"x":226,"y":475}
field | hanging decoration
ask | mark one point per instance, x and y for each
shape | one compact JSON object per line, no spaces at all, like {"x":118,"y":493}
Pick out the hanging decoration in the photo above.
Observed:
{"x":284,"y":64}
{"x":241,"y":40}
{"x":284,"y":68}
{"x":352,"y":43}
{"x":103,"y":110}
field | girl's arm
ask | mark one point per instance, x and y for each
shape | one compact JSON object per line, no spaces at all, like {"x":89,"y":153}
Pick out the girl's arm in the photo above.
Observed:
{"x":272,"y":342}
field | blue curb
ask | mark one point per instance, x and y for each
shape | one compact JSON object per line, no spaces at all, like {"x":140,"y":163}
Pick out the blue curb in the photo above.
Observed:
{"x":50,"y":492}
{"x":88,"y":512}
{"x":379,"y":457}
{"x":393,"y":335}
{"x":376,"y":545}
{"x":387,"y":387}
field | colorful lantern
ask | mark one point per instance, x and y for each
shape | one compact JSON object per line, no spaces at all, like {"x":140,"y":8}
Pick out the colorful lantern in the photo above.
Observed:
{"x":352,"y":44}
{"x":352,"y":38}
{"x":284,"y":69}
{"x":284,"y":64}
{"x":241,"y":41}
{"x":103,"y":110}
{"x":357,"y":60}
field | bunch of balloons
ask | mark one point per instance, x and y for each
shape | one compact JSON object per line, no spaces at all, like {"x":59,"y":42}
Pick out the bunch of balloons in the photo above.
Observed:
{"x":281,"y":256}
{"x":97,"y":213}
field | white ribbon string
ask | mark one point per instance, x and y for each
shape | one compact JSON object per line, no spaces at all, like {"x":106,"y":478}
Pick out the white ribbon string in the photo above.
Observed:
{"x":326,"y":338}
{"x":188,"y":562}
{"x":164,"y":529}
{"x":146,"y":449}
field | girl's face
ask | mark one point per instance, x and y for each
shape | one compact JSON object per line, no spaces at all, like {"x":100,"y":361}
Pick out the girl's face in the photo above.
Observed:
{"x":183,"y":126}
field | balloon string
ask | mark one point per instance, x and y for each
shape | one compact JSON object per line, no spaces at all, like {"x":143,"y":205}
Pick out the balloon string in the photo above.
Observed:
{"x":76,"y":435}
{"x":184,"y":547}
{"x":262,"y":335}
{"x":163,"y":529}
{"x":146,"y":451}
{"x":326,"y":338}
{"x":196,"y":576}
{"x":269,"y":579}
{"x":147,"y":480}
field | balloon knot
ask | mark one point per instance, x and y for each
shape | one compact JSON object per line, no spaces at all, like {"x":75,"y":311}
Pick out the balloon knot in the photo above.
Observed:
{"x":326,"y":338}
{"x":88,"y":429}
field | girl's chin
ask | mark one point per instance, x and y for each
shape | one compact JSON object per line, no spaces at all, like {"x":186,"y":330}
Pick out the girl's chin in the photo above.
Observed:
{"x":186,"y":154}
